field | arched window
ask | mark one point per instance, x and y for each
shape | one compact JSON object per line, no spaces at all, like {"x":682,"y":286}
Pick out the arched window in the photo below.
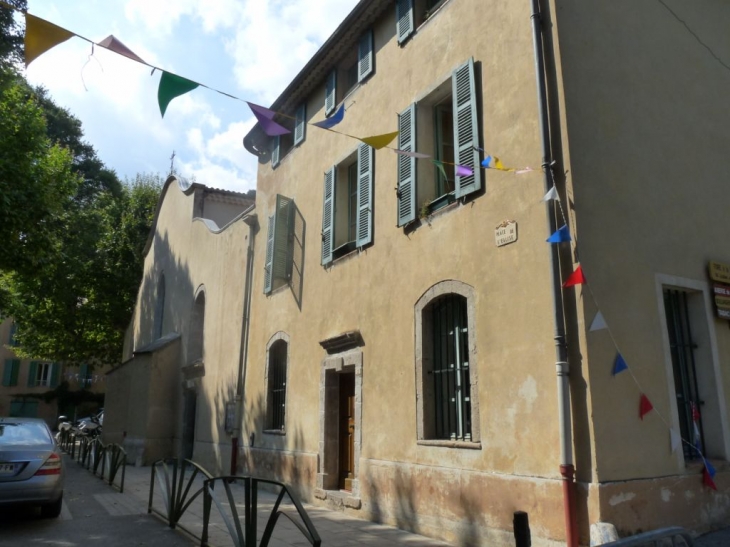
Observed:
{"x":276,"y":375}
{"x":448,"y":407}
{"x":196,"y":350}
{"x":159,"y":307}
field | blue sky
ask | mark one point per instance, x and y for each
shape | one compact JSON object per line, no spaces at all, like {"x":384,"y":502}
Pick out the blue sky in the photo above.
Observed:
{"x":249,"y":48}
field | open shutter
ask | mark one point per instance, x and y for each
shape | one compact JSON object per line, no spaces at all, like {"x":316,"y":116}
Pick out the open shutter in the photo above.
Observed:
{"x":275,"y":151}
{"x":466,"y":128}
{"x":364,"y":227}
{"x":330,"y":96}
{"x":407,"y":166}
{"x":281,"y":266}
{"x":14,"y":372}
{"x":365,"y":56}
{"x":8,"y":373}
{"x":32,"y":372}
{"x":268,"y":268}
{"x":55,"y":369}
{"x":83,"y":373}
{"x":328,"y":216}
{"x":403,"y":19}
{"x":301,"y":126}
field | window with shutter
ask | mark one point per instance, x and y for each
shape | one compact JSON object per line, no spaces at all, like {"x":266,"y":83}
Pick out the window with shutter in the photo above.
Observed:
{"x":328,"y":216}
{"x":8,"y":373}
{"x":83,"y":375}
{"x":301,"y":124}
{"x":365,"y":157}
{"x":404,"y":19}
{"x":330,"y":97}
{"x":279,"y":245}
{"x":365,"y":56}
{"x":268,"y":267}
{"x":14,"y":373}
{"x":55,"y":372}
{"x":32,"y":374}
{"x":466,"y":128}
{"x":276,"y":380}
{"x":275,"y":151}
{"x":406,"y":193}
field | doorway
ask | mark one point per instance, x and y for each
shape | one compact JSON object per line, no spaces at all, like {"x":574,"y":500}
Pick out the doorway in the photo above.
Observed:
{"x":190,"y":399}
{"x":347,"y":430}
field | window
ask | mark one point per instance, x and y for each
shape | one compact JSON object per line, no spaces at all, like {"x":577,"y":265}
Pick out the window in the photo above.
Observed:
{"x":347,"y":220}
{"x":85,"y":376}
{"x":42,"y":374}
{"x":410,"y":14}
{"x":277,"y":270}
{"x":300,"y":129}
{"x":357,"y":65}
{"x":445,"y":123}
{"x":196,"y":337}
{"x":10,"y":372}
{"x":447,"y":409}
{"x":12,"y":341}
{"x":276,"y":383}
{"x":282,"y":144}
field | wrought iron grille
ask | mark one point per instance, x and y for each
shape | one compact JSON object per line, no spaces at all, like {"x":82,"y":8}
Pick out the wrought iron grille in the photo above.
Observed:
{"x":682,"y":349}
{"x":452,"y":405}
{"x":277,"y":384}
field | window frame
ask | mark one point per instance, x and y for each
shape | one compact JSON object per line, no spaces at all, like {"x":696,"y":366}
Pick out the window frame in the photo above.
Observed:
{"x":279,"y":339}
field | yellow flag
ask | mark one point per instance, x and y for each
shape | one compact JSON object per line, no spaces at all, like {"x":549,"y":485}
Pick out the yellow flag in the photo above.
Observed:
{"x":379,"y":141}
{"x":40,"y":36}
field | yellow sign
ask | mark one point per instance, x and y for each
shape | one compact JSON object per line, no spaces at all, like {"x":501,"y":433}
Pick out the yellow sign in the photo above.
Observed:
{"x":722,"y":302}
{"x":720,"y":272}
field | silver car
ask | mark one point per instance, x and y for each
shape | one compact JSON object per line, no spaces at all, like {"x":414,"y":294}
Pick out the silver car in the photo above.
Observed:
{"x":31,"y":466}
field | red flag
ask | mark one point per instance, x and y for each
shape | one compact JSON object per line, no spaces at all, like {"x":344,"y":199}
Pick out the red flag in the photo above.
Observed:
{"x":707,"y":479}
{"x":576,"y":278}
{"x":645,"y":406}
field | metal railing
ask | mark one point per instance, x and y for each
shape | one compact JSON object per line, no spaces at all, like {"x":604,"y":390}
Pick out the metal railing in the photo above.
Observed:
{"x":246,"y":536}
{"x":175,"y":486}
{"x":114,"y":458}
{"x":679,"y":537}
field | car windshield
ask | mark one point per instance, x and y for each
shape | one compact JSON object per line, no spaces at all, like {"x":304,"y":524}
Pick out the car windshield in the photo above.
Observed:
{"x":24,"y":434}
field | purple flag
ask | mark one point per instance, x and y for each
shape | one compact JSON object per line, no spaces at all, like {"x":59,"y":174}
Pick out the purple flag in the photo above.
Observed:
{"x":463,"y":171}
{"x":265,"y":117}
{"x":333,"y":120}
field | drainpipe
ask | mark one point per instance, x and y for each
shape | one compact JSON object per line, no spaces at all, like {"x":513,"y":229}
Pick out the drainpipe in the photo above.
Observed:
{"x":251,"y":220}
{"x":567,"y":468}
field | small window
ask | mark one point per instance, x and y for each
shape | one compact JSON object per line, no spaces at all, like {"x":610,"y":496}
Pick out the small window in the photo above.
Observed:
{"x":278,"y":267}
{"x":356,"y":66}
{"x":300,"y":127}
{"x":277,"y":368}
{"x":411,"y":14}
{"x":85,"y":376}
{"x":43,"y":374}
{"x":281,"y":146}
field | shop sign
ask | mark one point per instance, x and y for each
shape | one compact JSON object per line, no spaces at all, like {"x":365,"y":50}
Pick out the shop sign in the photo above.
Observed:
{"x":720,"y":272}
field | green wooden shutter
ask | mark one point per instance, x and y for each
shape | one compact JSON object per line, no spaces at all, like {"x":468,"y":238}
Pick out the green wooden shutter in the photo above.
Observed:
{"x":300,"y":130}
{"x":281,"y":266}
{"x":404,"y":24}
{"x":364,"y":225}
{"x":32,"y":374}
{"x":11,"y":339}
{"x":8,"y":373}
{"x":330,"y":96}
{"x":14,"y":372}
{"x":466,"y":128}
{"x":268,"y":268}
{"x":275,"y":152}
{"x":365,"y":56}
{"x":328,"y":216}
{"x":55,"y":369}
{"x":407,"y":166}
{"x":83,"y":373}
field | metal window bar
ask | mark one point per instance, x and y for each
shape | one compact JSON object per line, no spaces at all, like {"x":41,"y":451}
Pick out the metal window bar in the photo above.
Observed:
{"x":277,"y":381}
{"x":452,"y":406}
{"x":685,"y":372}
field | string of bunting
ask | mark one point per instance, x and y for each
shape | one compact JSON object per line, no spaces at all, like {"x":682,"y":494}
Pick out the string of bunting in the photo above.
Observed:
{"x":577,"y":277}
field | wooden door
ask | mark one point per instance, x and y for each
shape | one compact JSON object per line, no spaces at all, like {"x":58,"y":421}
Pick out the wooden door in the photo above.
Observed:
{"x":347,"y":430}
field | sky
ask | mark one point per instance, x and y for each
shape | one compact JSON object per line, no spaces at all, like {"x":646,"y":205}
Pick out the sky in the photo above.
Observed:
{"x":249,"y":48}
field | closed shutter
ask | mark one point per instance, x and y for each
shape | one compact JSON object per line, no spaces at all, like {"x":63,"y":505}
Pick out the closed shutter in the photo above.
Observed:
{"x":55,"y":369}
{"x":330,"y":97}
{"x":403,"y":19}
{"x":466,"y":128}
{"x":364,"y":227}
{"x":275,"y":152}
{"x":14,"y":373}
{"x":301,"y":127}
{"x":365,"y":56}
{"x":8,"y":373}
{"x":328,"y":215}
{"x":268,"y":268}
{"x":32,"y":372}
{"x":281,"y":266}
{"x":407,"y":166}
{"x":83,"y":373}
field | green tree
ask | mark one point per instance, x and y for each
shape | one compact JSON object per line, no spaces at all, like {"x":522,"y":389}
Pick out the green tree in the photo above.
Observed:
{"x":11,"y":33}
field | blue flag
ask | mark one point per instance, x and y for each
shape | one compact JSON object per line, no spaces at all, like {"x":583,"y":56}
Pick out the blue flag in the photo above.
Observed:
{"x":332,"y":120}
{"x":619,"y":365}
{"x":561,"y":236}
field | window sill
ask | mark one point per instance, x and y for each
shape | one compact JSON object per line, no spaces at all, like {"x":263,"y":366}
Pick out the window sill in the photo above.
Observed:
{"x":413,"y":226}
{"x":451,"y":444}
{"x":279,"y":432}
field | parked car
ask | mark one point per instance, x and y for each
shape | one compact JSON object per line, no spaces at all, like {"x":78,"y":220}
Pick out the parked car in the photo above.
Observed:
{"x":31,"y":467}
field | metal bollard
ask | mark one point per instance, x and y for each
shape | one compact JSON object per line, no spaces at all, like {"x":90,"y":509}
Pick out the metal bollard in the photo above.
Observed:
{"x":521,"y":525}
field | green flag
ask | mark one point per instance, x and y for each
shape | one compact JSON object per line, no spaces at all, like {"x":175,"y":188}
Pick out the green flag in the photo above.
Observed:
{"x":172,"y":86}
{"x":440,"y":165}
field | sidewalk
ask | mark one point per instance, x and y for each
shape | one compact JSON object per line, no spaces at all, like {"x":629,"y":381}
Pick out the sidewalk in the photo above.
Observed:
{"x":335,"y":528}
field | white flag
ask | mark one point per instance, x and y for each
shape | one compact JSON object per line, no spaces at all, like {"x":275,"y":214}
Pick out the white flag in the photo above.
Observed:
{"x":552,"y":194}
{"x":598,"y":323}
{"x":675,"y":440}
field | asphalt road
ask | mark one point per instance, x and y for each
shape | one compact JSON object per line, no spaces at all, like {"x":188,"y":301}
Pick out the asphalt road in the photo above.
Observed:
{"x":93,"y":514}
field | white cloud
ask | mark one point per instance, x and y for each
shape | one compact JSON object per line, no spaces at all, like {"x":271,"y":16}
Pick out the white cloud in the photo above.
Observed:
{"x":163,"y":15}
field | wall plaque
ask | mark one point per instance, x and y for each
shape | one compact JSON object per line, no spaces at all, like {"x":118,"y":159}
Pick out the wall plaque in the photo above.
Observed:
{"x":505,"y":233}
{"x":719,"y":272}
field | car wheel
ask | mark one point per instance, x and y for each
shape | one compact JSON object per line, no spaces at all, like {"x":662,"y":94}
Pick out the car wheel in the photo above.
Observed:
{"x":52,"y":510}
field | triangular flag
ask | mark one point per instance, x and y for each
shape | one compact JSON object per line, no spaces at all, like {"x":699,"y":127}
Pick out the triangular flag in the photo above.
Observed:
{"x":598,"y":323}
{"x":707,"y":479}
{"x":171,"y":86}
{"x":333,"y":120}
{"x":710,"y":469}
{"x":499,"y":165}
{"x":524,"y":170}
{"x":380,"y":141}
{"x":418,"y":155}
{"x":576,"y":278}
{"x":440,"y":165}
{"x":463,"y":171}
{"x":40,"y":36}
{"x":645,"y":406}
{"x":486,"y":161}
{"x":619,"y":365}
{"x":265,"y":118}
{"x":675,"y":440}
{"x":552,"y":194}
{"x":114,"y":44}
{"x":561,"y":236}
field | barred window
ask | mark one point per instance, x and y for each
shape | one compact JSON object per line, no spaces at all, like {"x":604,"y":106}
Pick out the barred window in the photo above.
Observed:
{"x":277,"y":385}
